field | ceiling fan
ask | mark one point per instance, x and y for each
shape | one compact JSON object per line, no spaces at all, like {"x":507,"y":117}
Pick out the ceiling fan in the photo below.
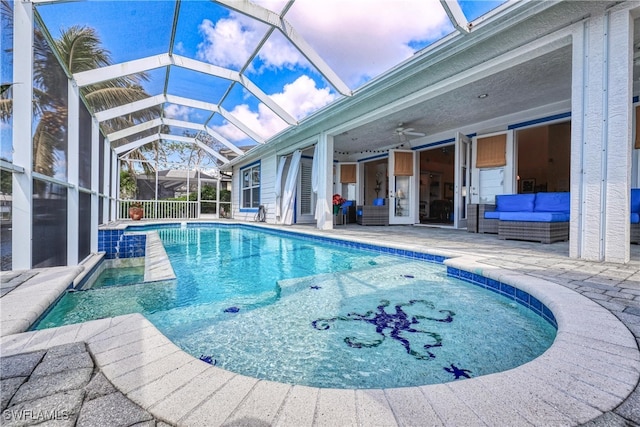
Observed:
{"x":400,"y":130}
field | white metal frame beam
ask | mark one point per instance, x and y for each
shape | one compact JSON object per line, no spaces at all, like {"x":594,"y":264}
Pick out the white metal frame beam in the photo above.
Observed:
{"x":73,"y":172}
{"x":86,"y":78}
{"x":178,"y":100}
{"x":168,"y":122}
{"x":240,"y":125}
{"x":129,"y":108}
{"x":135,"y":144}
{"x":134,"y":129}
{"x":190,"y":140}
{"x":165,"y":137}
{"x":456,"y":15}
{"x":22,"y":194}
{"x":203,"y":128}
{"x":221,"y":139}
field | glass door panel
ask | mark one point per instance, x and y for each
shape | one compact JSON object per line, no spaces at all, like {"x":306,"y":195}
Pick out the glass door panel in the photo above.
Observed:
{"x":402,"y":204}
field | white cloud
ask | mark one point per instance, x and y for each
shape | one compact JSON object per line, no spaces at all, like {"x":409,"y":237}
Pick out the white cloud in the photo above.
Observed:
{"x":178,"y":112}
{"x":361,"y":39}
{"x":264,"y":122}
{"x":277,"y":52}
{"x":302,"y":97}
{"x":358,"y":39}
{"x":299,"y":99}
{"x":229,"y":42}
{"x":179,"y":48}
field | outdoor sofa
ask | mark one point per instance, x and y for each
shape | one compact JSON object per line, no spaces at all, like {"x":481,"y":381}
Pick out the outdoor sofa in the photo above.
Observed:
{"x":539,"y":217}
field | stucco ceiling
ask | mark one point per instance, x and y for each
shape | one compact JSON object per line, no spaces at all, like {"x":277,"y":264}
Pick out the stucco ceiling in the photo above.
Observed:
{"x":538,"y":82}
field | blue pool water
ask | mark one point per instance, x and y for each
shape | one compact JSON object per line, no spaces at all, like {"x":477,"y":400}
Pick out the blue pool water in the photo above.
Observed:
{"x":298,"y":311}
{"x":119,"y":276}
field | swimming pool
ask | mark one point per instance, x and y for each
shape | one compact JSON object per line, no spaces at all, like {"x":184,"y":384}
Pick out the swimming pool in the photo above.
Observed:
{"x":289,"y":309}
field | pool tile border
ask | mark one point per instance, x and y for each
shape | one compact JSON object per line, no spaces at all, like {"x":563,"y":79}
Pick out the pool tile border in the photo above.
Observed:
{"x":513,"y":293}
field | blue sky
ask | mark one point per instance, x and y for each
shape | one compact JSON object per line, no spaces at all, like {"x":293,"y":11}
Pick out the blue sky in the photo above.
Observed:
{"x":358,"y":39}
{"x":6,"y":76}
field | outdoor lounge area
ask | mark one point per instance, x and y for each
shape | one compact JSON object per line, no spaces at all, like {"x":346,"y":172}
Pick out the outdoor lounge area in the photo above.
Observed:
{"x":540,"y":217}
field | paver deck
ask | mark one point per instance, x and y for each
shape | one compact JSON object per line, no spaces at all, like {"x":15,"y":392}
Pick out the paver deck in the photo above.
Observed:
{"x":588,"y":376}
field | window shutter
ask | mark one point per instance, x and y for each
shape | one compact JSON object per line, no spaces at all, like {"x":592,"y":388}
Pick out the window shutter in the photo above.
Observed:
{"x":305,"y":188}
{"x":403,"y":164}
{"x":492,"y":151}
{"x":347,"y":174}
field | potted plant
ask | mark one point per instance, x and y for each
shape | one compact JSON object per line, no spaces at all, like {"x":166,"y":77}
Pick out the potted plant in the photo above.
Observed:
{"x":337,"y":203}
{"x":135,"y":211}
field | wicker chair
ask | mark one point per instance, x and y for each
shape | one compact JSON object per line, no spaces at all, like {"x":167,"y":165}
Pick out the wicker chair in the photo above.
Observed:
{"x":635,"y":233}
{"x":486,"y":225}
{"x":376,"y":214}
{"x":635,"y":215}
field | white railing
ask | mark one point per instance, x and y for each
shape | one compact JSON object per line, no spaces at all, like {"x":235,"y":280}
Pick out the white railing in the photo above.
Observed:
{"x":161,"y":209}
{"x":173,"y":209}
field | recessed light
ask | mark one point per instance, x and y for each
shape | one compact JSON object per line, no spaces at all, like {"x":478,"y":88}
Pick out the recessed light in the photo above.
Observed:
{"x":483,"y":95}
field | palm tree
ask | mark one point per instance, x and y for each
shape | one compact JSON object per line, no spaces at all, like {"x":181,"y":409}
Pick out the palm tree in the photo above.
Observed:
{"x":79,"y":49}
{"x":6,"y":105}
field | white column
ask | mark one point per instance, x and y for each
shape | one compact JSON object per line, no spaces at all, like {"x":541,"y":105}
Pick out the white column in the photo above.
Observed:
{"x":325,"y":184}
{"x":73,"y":172}
{"x":199,"y":207}
{"x":601,"y":137}
{"x":218,"y":195}
{"x":22,"y":214}
{"x":106,"y":170}
{"x":115,"y":184}
{"x":95,"y":183}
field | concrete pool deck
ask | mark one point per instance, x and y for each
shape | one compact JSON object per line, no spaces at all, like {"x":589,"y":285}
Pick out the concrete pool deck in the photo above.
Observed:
{"x":589,"y":375}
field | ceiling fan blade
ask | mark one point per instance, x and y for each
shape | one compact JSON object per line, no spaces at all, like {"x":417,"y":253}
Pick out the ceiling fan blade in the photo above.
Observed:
{"x":405,"y":130}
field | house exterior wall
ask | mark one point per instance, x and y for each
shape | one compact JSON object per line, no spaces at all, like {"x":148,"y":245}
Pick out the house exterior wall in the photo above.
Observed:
{"x":599,"y":38}
{"x":268,"y":169}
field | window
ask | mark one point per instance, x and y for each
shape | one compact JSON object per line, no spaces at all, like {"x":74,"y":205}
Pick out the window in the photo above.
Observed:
{"x":250,"y":186}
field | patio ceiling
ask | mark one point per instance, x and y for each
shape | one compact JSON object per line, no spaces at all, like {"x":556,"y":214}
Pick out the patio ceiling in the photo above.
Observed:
{"x":223,"y":75}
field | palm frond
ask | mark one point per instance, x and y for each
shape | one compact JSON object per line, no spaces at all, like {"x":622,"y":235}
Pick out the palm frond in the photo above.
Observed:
{"x":6,"y":109}
{"x":81,"y":49}
{"x":45,"y":140}
{"x":103,"y":97}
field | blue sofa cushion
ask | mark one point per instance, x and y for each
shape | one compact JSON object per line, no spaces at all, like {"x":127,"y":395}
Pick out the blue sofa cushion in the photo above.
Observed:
{"x":378,"y":202}
{"x":535,"y":216}
{"x":553,"y":202}
{"x":635,"y":218}
{"x":492,"y":215}
{"x":515,"y":202}
{"x":635,"y":200}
